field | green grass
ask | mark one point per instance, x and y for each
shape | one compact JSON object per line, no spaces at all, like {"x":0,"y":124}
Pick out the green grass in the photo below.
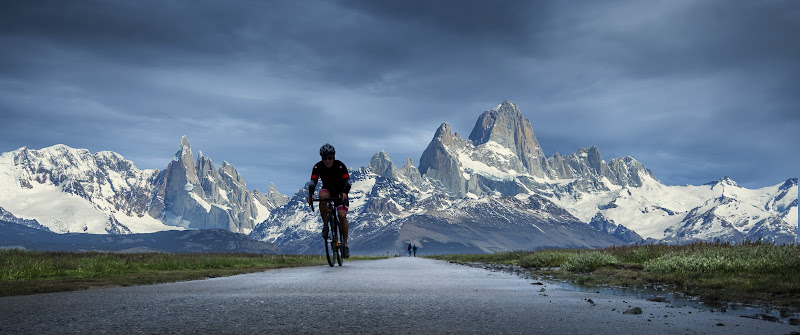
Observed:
{"x":28,"y":272}
{"x":749,"y":272}
{"x":545,"y":259}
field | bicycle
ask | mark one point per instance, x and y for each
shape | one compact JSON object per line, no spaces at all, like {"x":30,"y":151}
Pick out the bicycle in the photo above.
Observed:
{"x":333,"y":240}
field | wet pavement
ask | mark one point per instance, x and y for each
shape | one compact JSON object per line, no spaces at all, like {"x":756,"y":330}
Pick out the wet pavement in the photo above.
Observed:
{"x":396,"y":295}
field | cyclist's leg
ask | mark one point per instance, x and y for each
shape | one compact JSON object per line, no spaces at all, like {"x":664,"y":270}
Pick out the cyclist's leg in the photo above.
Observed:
{"x":342,"y":206}
{"x":343,"y":224}
{"x":323,"y":211}
{"x":341,"y":209}
{"x":323,"y":207}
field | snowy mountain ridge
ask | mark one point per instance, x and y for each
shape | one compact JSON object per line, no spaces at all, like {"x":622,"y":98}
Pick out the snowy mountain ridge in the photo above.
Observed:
{"x":71,"y":190}
{"x":503,"y":164}
{"x":491,"y":192}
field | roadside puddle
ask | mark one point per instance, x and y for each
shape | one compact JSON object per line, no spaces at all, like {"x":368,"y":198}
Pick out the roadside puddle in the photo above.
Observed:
{"x":662,"y":294}
{"x":678,"y":299}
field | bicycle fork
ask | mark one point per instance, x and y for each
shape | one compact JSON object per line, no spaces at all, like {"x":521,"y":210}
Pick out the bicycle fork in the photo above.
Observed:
{"x":335,"y":231}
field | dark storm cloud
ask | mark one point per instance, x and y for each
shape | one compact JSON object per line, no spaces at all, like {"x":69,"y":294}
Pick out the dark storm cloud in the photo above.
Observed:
{"x":693,"y":89}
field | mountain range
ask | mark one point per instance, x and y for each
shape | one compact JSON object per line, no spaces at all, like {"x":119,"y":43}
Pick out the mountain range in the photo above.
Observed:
{"x":493,"y":191}
{"x":17,"y":236}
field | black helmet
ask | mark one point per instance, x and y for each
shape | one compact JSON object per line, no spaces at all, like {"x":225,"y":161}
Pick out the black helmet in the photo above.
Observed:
{"x":327,"y":150}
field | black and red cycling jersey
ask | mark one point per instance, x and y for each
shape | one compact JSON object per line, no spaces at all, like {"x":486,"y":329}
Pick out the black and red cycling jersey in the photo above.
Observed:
{"x":335,"y":179}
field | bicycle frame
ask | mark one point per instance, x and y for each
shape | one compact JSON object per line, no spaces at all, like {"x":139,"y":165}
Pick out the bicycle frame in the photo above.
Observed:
{"x":333,"y":238}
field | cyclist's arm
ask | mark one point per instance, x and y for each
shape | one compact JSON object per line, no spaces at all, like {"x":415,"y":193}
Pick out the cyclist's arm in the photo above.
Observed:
{"x":347,"y":183}
{"x":312,"y":184}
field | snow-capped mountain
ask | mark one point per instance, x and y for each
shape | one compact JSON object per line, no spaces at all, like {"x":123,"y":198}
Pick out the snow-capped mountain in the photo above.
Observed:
{"x":497,"y":191}
{"x":72,"y":190}
{"x":197,"y":196}
{"x":493,"y":191}
{"x":6,"y":216}
{"x":503,"y":157}
{"x":390,"y":207}
{"x":623,"y":191}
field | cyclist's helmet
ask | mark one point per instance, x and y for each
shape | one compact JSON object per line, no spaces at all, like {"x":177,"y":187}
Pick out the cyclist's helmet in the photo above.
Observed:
{"x":327,"y":150}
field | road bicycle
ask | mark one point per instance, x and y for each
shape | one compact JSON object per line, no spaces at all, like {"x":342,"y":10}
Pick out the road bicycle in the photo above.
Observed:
{"x":333,"y":240}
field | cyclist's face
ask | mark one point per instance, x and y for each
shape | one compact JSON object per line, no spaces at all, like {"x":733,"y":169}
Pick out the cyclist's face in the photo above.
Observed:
{"x":328,"y":161}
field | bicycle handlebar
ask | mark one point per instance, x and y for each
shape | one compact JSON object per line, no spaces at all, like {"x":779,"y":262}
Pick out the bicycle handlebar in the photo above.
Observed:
{"x":320,"y":200}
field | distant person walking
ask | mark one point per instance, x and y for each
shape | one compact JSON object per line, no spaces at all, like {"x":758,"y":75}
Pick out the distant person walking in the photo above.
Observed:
{"x":409,"y":250}
{"x":415,"y":250}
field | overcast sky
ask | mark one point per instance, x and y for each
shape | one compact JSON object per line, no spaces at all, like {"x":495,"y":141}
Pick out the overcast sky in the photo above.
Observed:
{"x":695,"y":90}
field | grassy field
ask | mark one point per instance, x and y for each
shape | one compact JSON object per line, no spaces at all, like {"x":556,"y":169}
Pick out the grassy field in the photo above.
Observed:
{"x":29,"y":272}
{"x":748,"y":273}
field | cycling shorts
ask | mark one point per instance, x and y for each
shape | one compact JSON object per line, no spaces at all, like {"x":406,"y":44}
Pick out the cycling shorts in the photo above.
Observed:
{"x":338,"y":202}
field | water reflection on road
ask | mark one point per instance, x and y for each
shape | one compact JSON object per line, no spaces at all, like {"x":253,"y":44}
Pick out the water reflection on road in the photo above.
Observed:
{"x":660,"y":293}
{"x":670,"y":296}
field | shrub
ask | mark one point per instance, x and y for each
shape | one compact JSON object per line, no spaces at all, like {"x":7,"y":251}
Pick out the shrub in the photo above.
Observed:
{"x":545,"y":259}
{"x":589,"y":261}
{"x":727,"y":259}
{"x":639,"y":254}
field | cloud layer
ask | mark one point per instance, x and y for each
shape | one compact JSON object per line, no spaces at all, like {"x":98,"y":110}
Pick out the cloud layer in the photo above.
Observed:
{"x":693,"y":90}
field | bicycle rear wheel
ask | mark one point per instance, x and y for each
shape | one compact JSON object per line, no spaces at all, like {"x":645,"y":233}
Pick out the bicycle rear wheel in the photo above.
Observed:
{"x":340,"y":252}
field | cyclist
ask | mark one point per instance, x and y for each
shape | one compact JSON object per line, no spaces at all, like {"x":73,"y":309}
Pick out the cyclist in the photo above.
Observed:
{"x":335,"y":184}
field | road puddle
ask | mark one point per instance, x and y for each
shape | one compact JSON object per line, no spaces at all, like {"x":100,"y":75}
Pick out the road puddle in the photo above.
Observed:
{"x":677,"y":299}
{"x":662,"y":294}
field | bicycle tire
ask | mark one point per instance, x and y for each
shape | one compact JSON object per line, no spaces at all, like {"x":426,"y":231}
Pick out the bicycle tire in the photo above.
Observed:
{"x":330,"y":251}
{"x":337,"y":239}
{"x":341,"y":251}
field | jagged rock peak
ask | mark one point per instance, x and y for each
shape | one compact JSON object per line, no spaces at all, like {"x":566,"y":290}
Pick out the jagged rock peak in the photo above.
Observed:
{"x":228,"y":169}
{"x":272,"y":198}
{"x":593,"y":156}
{"x":184,"y":150}
{"x":506,"y":126}
{"x":508,"y":106}
{"x":728,"y":181}
{"x":382,"y":155}
{"x":443,"y":130}
{"x":500,"y":124}
{"x":381,"y":164}
{"x":724,"y":181}
{"x":789,"y":183}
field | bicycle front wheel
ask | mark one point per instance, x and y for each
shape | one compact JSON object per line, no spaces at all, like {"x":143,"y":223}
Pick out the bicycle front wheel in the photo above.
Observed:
{"x":329,"y":253}
{"x":339,"y":254}
{"x":330,"y":250}
{"x":339,"y":245}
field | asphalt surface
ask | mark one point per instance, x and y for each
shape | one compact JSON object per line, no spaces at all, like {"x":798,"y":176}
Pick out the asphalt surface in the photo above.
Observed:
{"x":397,"y":295}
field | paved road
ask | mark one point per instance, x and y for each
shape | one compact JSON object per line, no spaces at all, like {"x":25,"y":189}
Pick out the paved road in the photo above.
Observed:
{"x":398,"y":295}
